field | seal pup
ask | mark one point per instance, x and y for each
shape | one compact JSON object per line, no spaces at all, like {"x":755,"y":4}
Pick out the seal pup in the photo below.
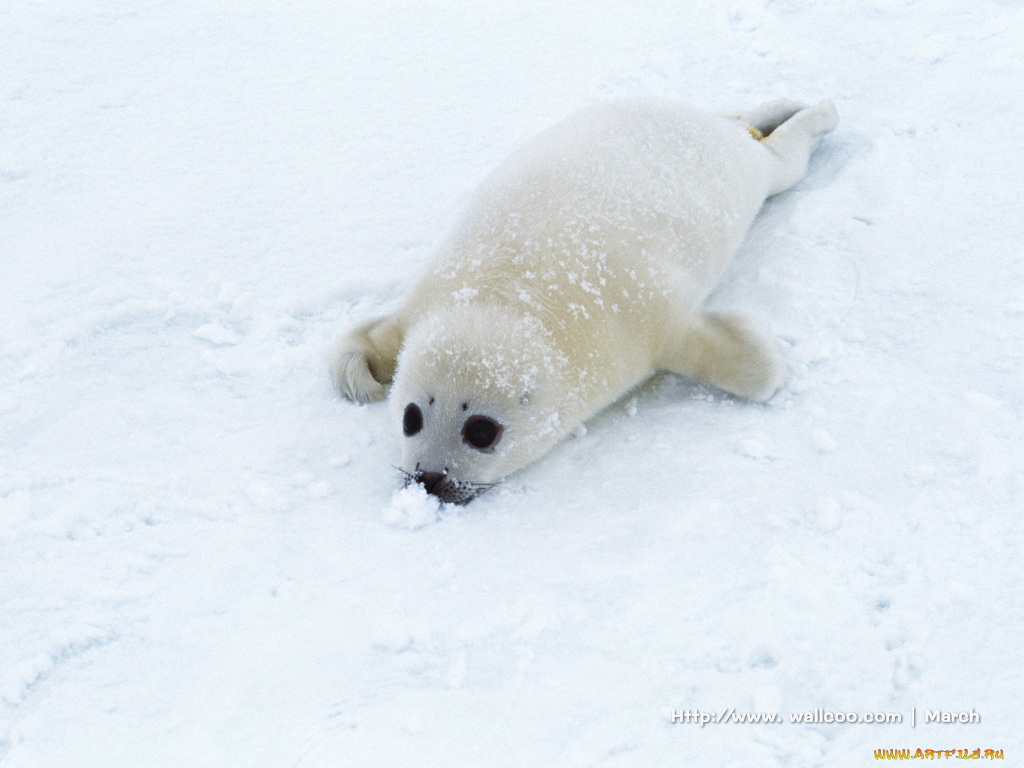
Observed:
{"x":578,"y":270}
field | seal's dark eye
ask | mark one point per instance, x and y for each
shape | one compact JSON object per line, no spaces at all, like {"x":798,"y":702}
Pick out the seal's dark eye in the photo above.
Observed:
{"x":412,"y":421}
{"x":481,"y":432}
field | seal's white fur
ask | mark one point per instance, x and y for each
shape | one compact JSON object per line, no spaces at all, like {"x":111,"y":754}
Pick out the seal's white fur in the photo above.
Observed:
{"x":578,"y":270}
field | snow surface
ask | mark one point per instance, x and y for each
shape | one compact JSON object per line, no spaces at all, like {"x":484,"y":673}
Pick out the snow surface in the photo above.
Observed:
{"x":203,"y":561}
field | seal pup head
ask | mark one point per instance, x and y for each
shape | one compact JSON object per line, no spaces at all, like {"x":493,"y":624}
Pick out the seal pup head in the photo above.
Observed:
{"x":477,"y":395}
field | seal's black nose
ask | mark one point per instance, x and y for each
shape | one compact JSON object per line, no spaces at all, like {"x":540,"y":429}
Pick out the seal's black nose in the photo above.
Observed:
{"x":430,"y":480}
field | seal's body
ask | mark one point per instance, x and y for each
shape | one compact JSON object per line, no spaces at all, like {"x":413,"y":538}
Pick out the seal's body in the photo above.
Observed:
{"x":578,"y":270}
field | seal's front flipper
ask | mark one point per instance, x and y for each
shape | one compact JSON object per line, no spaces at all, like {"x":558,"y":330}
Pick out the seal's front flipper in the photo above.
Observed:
{"x":729,"y":351}
{"x":364,"y":360}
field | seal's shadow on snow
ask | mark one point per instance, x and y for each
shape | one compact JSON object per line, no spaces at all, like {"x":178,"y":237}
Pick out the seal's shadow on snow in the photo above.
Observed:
{"x":792,"y":271}
{"x":825,"y":166}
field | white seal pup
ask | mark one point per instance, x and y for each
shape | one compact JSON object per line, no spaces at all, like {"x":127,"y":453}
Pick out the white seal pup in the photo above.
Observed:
{"x":580,"y":269}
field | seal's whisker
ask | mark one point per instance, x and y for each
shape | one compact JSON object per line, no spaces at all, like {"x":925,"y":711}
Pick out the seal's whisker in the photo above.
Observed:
{"x":408,"y":478}
{"x":449,"y":491}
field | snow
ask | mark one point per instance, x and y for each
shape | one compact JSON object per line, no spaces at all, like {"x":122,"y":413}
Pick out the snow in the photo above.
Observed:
{"x":205,"y":557}
{"x":411,"y":507}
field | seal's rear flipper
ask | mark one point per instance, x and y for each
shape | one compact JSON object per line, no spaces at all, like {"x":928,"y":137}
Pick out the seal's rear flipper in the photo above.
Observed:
{"x":769,"y":116}
{"x":792,"y":143}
